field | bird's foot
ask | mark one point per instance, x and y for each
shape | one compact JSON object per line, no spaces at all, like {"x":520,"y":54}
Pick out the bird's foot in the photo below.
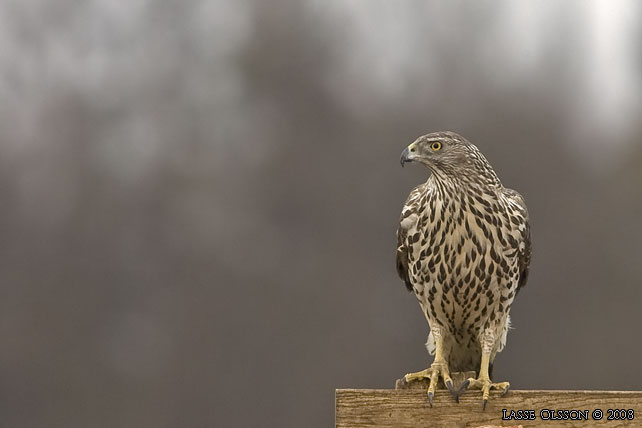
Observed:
{"x":485,"y":384}
{"x":438,"y":368}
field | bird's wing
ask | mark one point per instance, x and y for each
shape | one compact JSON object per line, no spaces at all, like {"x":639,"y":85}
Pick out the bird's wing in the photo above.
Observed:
{"x":524,"y":251}
{"x":408,"y":220}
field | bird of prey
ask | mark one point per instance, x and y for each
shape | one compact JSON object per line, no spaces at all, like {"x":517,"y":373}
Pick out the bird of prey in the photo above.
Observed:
{"x":464,"y":249}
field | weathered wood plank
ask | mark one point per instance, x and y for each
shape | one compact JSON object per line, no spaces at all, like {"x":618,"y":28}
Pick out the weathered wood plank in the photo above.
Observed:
{"x":387,"y":408}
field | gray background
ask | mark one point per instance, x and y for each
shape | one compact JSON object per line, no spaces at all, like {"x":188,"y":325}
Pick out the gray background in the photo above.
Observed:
{"x":199,"y":199}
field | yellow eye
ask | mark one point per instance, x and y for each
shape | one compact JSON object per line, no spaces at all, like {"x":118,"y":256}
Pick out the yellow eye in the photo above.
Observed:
{"x":436,"y":146}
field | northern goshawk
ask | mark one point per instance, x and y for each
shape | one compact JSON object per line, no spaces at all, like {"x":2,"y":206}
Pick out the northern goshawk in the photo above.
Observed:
{"x":464,"y":249}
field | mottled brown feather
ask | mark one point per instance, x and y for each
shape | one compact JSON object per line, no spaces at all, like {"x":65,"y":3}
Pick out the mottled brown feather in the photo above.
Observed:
{"x":525,"y":255}
{"x":410,"y":208}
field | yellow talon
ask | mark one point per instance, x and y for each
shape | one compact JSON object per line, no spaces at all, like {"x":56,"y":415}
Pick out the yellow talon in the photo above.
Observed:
{"x":417,"y":376}
{"x":485,"y":385}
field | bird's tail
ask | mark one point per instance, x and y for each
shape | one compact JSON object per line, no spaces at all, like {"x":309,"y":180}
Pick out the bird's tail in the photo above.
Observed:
{"x":466,"y":355}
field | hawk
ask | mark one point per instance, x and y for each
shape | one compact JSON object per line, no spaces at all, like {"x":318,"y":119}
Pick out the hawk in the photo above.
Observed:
{"x":464,"y":249}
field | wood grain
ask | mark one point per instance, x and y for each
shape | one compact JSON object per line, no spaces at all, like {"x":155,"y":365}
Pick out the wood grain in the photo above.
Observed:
{"x":409,"y":408}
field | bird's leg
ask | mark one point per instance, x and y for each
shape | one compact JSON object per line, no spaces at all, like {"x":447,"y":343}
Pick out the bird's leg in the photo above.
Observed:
{"x":483,"y":381}
{"x":437,"y":368}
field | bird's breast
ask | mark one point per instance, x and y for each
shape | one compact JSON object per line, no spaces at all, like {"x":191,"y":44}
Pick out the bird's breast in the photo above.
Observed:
{"x":460,"y":260}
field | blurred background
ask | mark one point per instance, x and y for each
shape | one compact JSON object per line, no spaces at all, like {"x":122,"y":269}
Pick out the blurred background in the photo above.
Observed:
{"x":200,"y":198}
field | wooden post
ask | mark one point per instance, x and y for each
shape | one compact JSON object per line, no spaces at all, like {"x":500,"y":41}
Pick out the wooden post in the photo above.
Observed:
{"x":405,"y":408}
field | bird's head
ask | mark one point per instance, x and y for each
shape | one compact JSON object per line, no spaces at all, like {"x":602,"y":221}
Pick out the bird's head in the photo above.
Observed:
{"x":449,"y":155}
{"x":437,"y":149}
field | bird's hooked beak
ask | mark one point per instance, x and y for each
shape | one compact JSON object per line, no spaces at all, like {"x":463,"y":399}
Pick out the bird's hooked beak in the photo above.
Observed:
{"x":406,"y":156}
